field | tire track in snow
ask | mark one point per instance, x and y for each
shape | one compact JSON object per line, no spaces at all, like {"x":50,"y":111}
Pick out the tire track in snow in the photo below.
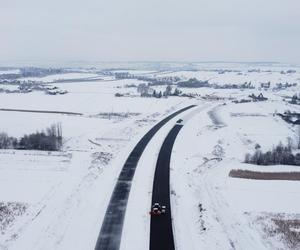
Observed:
{"x":239,"y":233}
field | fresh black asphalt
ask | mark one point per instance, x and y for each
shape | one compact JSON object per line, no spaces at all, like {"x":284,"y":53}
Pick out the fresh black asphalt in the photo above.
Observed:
{"x":161,"y":232}
{"x":111,"y":230}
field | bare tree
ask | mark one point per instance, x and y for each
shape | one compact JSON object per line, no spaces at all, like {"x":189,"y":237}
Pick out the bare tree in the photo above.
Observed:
{"x":289,"y":143}
{"x":298,"y":137}
{"x":7,"y":142}
{"x":280,"y":154}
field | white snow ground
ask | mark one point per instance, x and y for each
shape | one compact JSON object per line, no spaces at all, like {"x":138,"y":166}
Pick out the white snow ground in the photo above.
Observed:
{"x":66,"y":193}
{"x":203,"y":156}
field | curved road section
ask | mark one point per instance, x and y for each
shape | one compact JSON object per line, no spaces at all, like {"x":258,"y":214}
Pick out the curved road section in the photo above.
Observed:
{"x":111,"y":230}
{"x":161,"y":232}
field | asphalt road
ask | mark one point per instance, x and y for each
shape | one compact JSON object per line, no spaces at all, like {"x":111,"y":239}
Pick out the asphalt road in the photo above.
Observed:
{"x":161,"y":232}
{"x":111,"y":230}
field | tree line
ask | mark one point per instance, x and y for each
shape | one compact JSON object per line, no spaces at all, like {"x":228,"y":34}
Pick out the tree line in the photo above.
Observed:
{"x":146,"y":91}
{"x":280,"y":154}
{"x":49,"y":140}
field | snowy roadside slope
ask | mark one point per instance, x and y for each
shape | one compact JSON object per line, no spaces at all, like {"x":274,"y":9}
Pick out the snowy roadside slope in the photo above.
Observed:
{"x":210,"y":209}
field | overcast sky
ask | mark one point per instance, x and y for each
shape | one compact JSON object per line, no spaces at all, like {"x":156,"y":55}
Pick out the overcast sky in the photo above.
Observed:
{"x":150,"y":30}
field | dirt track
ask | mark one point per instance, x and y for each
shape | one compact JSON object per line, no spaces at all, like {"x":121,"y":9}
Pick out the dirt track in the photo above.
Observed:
{"x":41,"y":111}
{"x":255,"y":175}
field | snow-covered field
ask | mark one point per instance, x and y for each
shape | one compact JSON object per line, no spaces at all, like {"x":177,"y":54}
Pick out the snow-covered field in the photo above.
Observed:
{"x":65,"y":76}
{"x":226,"y":218}
{"x":57,"y":200}
{"x":238,"y":77}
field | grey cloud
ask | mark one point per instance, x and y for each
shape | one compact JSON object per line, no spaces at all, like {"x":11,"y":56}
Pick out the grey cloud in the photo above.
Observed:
{"x":193,"y":30}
